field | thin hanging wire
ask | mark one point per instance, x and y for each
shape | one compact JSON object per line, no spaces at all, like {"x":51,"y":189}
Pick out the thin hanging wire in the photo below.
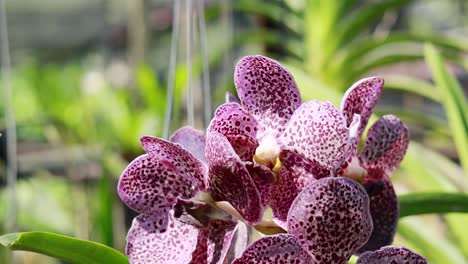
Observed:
{"x":172,"y":67}
{"x":190,"y":107}
{"x":10,"y":121}
{"x":228,"y":28}
{"x":206,"y":68}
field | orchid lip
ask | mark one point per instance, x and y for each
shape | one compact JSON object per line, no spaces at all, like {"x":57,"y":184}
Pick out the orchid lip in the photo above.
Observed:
{"x":354,"y":171}
{"x":267,"y":153}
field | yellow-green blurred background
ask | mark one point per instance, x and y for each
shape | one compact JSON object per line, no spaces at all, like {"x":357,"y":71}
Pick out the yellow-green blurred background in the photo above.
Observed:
{"x":88,"y":77}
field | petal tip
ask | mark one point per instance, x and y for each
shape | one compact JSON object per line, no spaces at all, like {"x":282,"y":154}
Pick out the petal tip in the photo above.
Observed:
{"x":147,"y":141}
{"x":391,"y":254}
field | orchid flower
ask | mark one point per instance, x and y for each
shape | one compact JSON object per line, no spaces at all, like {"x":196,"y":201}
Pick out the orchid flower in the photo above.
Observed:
{"x":286,"y":144}
{"x":269,"y":149}
{"x":162,"y":186}
{"x":328,"y":222}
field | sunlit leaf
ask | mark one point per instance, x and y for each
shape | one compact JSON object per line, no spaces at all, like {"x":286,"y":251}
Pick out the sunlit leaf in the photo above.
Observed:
{"x":412,"y":85}
{"x":360,"y":70}
{"x":363,"y":46}
{"x":453,"y":101}
{"x":432,"y":246}
{"x":435,"y":202}
{"x":273,"y":10}
{"x":105,"y":197}
{"x":62,"y":247}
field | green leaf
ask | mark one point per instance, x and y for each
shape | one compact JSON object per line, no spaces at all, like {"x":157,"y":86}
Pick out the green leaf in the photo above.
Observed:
{"x":293,"y":47}
{"x":366,"y":16}
{"x":412,"y":85}
{"x":363,"y":46}
{"x":419,"y":172}
{"x":104,"y":212}
{"x":453,"y":101}
{"x":359,"y":21}
{"x":433,"y":203}
{"x":433,"y":246}
{"x":457,"y":227}
{"x":62,"y":247}
{"x":151,"y":91}
{"x":312,"y":88}
{"x":274,"y":10}
{"x":360,"y":70}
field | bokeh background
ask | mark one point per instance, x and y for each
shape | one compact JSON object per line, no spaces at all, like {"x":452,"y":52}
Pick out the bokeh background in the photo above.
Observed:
{"x":83,"y":79}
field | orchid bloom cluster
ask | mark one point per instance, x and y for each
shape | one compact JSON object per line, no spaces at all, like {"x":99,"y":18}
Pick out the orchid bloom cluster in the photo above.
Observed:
{"x":198,"y":197}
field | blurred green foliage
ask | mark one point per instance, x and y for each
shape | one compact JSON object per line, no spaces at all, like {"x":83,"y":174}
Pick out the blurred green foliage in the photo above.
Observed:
{"x":327,"y":45}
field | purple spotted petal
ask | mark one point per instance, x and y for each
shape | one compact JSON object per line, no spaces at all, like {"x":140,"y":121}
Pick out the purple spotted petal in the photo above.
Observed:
{"x":391,"y":255}
{"x":214,"y":242}
{"x":277,"y":249}
{"x":331,"y":219}
{"x":384,"y":209}
{"x":229,"y":179}
{"x":180,"y":159}
{"x":152,"y":239}
{"x":296,"y":173}
{"x":353,"y":141}
{"x":191,"y":139}
{"x":264,"y":180}
{"x":267,"y":90}
{"x":239,"y":242}
{"x":238,"y":126}
{"x":149,"y":183}
{"x":386,"y":144}
{"x":318,"y":131}
{"x":361,"y":99}
{"x":230,"y":98}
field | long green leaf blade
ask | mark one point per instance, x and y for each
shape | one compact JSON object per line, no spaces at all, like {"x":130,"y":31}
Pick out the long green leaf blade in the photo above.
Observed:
{"x":436,"y":248}
{"x":62,"y":247}
{"x":352,"y":26}
{"x":432,"y":202}
{"x":412,"y":85}
{"x":453,"y":101}
{"x":363,"y":46}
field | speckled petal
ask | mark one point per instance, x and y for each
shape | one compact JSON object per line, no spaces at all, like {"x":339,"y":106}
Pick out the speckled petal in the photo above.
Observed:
{"x":191,"y":139}
{"x":264,"y":180}
{"x":149,"y":183}
{"x":186,"y":163}
{"x":331,"y":219}
{"x":386,"y":145}
{"x":153,"y":239}
{"x":238,"y":126}
{"x":296,"y":173}
{"x":391,"y":255}
{"x":353,"y":141}
{"x":361,"y":99}
{"x":213,"y":243}
{"x":318,"y":131}
{"x":229,"y":179}
{"x":277,"y":249}
{"x":384,"y":209}
{"x":239,"y":242}
{"x":267,"y":90}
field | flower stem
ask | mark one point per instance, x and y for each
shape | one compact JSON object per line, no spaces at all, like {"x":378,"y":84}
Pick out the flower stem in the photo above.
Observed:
{"x":432,"y":203}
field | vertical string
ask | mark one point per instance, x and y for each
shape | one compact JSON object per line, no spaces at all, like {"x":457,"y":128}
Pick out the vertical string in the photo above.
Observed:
{"x":172,"y":67}
{"x":190,"y":110}
{"x":227,"y":22}
{"x":205,"y":62}
{"x":10,"y":121}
